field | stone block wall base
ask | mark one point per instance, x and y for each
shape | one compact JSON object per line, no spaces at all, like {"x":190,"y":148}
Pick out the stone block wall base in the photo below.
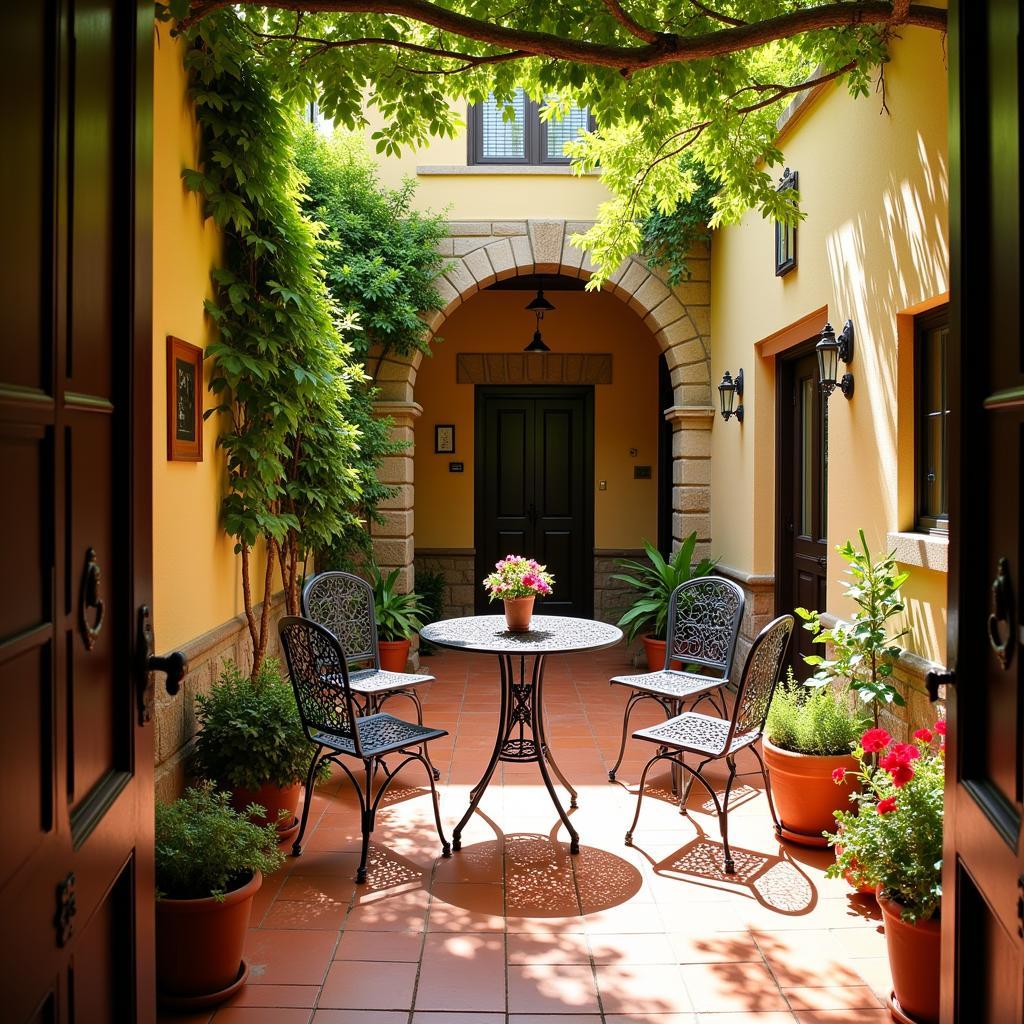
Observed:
{"x":612,"y":597}
{"x":174,"y":717}
{"x":459,"y":568}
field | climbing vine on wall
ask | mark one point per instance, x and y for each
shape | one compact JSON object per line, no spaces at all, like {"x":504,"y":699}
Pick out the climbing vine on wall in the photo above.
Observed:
{"x":283,"y":372}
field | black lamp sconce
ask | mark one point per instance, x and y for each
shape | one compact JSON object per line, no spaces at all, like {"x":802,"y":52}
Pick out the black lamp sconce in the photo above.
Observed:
{"x":831,"y":351}
{"x":539,"y":306}
{"x":728,"y":391}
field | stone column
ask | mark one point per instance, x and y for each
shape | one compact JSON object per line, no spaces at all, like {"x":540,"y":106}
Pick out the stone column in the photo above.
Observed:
{"x":393,"y":538}
{"x":691,"y":473}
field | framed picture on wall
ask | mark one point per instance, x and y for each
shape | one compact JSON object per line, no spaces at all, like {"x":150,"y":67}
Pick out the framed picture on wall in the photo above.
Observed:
{"x":184,"y":401}
{"x":444,"y":438}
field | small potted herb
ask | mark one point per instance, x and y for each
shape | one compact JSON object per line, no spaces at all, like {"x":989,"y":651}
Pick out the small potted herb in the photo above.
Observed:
{"x":808,"y":741}
{"x":894,"y":840}
{"x":655,"y":580}
{"x":253,"y":744}
{"x":210,"y":862}
{"x":399,"y":618}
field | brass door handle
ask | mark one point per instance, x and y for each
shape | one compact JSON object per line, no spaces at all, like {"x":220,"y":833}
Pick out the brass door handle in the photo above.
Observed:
{"x":89,"y":598}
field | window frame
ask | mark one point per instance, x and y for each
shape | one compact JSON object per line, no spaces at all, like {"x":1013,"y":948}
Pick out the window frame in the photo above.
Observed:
{"x":923,"y":324}
{"x":789,"y":179}
{"x":535,"y":139}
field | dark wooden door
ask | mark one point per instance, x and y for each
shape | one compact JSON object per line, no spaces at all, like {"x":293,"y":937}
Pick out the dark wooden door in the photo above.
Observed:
{"x":802,"y":522}
{"x":983,"y":862}
{"x":534,"y":469}
{"x":76,"y":871}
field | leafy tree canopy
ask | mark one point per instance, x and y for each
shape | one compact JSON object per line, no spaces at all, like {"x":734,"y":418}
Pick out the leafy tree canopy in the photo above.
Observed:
{"x":661,"y":77}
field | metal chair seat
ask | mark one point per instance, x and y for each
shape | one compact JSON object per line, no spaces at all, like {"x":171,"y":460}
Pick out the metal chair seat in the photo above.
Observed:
{"x":379,"y":734}
{"x":704,"y":615}
{"x":670,"y":683}
{"x":369,"y":681}
{"x":695,"y":733}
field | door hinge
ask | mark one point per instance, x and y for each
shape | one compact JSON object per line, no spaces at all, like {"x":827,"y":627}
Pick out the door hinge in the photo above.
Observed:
{"x":175,"y":665}
{"x":1020,"y":907}
{"x":66,"y":910}
{"x":936,"y":678}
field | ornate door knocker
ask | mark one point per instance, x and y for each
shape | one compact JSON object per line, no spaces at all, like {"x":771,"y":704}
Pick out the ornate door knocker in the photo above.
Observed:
{"x":1003,"y":612}
{"x":89,"y":597}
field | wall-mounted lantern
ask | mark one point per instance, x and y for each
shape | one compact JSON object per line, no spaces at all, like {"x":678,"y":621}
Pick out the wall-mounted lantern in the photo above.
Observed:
{"x":728,"y":391}
{"x":831,"y":351}
{"x":539,"y":306}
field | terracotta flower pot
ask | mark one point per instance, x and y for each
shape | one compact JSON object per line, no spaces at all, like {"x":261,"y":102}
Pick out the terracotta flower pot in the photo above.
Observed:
{"x":199,"y":946}
{"x":273,"y":799}
{"x":394,"y":654}
{"x":914,"y":951}
{"x":518,"y":612}
{"x":656,"y":655}
{"x":805,"y":796}
{"x":864,"y":890}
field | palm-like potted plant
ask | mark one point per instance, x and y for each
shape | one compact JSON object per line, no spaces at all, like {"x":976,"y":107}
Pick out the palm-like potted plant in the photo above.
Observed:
{"x":893,"y":840}
{"x":399,"y":619}
{"x":808,"y":742}
{"x":655,"y":580}
{"x":252,"y":742}
{"x":210,"y":861}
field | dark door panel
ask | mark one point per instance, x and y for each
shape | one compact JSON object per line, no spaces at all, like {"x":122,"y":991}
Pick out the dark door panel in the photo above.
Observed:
{"x":534,"y":487}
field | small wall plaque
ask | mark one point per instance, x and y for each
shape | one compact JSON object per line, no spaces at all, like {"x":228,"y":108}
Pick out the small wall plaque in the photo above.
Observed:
{"x":444,"y":438}
{"x":641,"y":472}
{"x":455,"y":467}
{"x":184,"y":401}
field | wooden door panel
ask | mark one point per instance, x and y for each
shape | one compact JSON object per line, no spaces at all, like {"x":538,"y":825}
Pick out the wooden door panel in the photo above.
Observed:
{"x":508,"y":464}
{"x":556,"y":496}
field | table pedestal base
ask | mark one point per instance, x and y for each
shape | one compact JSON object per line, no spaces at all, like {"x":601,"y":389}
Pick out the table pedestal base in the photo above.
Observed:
{"x":521,"y":740}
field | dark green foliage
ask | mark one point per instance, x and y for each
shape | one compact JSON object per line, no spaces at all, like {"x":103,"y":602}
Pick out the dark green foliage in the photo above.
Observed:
{"x":668,"y":238}
{"x":399,"y":616}
{"x":205,"y":848}
{"x":814,"y":721}
{"x":656,"y":579}
{"x":430,"y":585}
{"x":380,"y":254}
{"x":251,"y":732}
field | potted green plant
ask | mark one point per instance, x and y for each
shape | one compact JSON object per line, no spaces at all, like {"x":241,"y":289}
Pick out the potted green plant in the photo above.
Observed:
{"x":865,"y":650}
{"x":399,"y":619}
{"x":431,"y":585}
{"x":808,"y":741}
{"x":655,"y":580}
{"x":893,"y":839}
{"x":210,"y":861}
{"x":252,"y":742}
{"x":517,"y":581}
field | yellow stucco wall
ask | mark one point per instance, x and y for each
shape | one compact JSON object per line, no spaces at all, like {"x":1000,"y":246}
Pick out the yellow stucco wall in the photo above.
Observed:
{"x":874,"y":245}
{"x":196,"y":582}
{"x":626,"y":412}
{"x":484,"y":193}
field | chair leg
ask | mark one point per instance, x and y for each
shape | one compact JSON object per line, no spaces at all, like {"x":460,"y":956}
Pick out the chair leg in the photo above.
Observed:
{"x":723,"y":817}
{"x":310,"y":775}
{"x":446,"y":849}
{"x":634,"y":699}
{"x":640,"y":794}
{"x":366,"y":821}
{"x":415,"y":698}
{"x":767,"y":788}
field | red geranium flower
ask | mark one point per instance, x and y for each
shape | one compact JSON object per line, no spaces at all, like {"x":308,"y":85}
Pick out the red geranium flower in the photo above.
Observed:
{"x":874,"y":740}
{"x":838,"y":775}
{"x":940,"y":727}
{"x":924,"y":735}
{"x":887,"y":805}
{"x":905,"y":752}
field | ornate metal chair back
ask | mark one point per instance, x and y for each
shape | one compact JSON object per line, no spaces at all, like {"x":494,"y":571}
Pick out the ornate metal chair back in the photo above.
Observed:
{"x":760,"y":677}
{"x":704,"y":622}
{"x":319,"y":675}
{"x":344,"y":604}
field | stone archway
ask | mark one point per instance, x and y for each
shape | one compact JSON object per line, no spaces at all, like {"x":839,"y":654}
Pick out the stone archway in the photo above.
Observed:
{"x":483,"y":252}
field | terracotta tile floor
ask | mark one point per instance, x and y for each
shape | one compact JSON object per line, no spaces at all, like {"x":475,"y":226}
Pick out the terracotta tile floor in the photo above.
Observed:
{"x":514,"y":930}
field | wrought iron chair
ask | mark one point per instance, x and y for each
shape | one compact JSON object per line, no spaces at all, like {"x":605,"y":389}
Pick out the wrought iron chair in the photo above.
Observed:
{"x":327,"y":706}
{"x":343,"y":603}
{"x":712,"y":738}
{"x":703,"y":623}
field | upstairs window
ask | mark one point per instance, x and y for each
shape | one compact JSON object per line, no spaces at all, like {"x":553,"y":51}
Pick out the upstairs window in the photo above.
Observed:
{"x":785,"y":234}
{"x":525,"y":138}
{"x":931,"y":407}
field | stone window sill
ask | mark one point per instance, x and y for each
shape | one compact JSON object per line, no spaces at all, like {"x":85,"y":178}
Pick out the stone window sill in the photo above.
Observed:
{"x":926,"y":550}
{"x":455,"y":170}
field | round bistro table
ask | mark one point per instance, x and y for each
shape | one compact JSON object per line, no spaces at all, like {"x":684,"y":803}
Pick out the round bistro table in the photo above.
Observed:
{"x":520,"y":737}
